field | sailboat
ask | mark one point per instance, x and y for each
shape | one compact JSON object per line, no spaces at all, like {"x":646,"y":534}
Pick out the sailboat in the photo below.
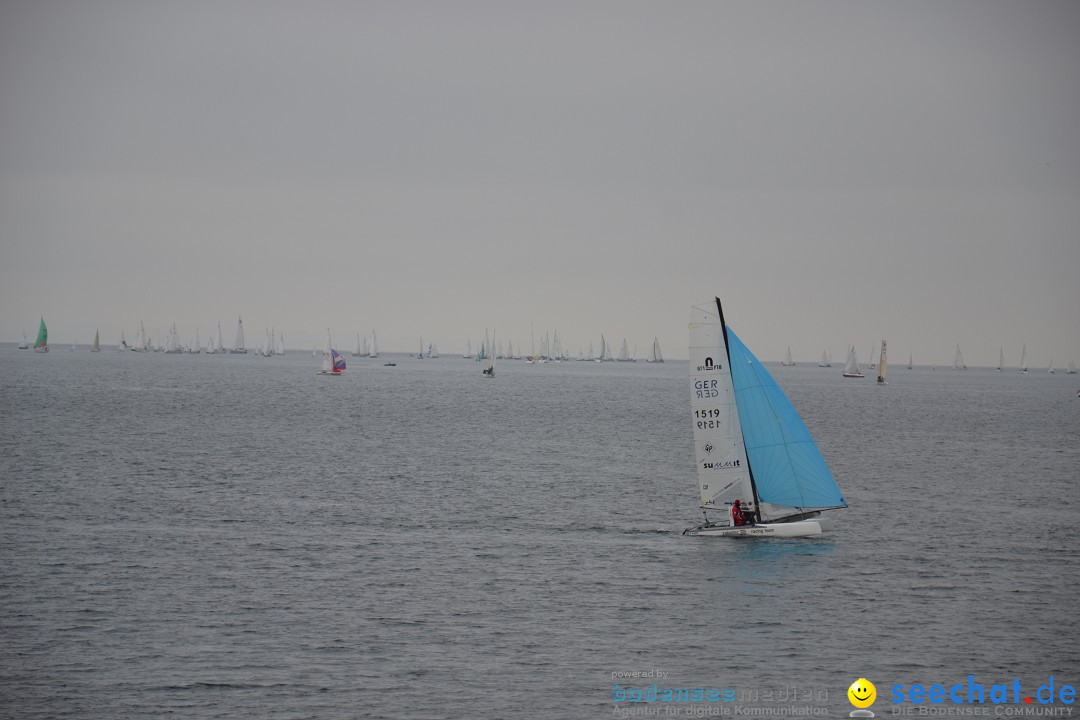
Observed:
{"x":751,"y":446}
{"x":373,"y":346}
{"x":787,"y":361}
{"x":1072,"y":368}
{"x":140,"y":339}
{"x":96,"y":347}
{"x":123,"y":342}
{"x":238,"y":348}
{"x":42,"y":342}
{"x":333,"y":362}
{"x":851,"y":369}
{"x":958,"y":361}
{"x":909,"y":366}
{"x":624,"y":353}
{"x":882,"y":366}
{"x":825,"y":362}
{"x":489,"y":371}
{"x":359,"y":352}
{"x":220,"y":346}
{"x":872,"y":354}
{"x":468,"y":349}
{"x":1049,"y":370}
{"x":25,"y":344}
{"x":656,"y":356}
{"x":1023,"y":360}
{"x":1001,"y":360}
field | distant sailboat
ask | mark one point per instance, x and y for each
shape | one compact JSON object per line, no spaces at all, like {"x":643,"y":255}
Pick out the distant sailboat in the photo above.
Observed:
{"x":333,"y":362}
{"x":1050,"y":370}
{"x":25,"y":344}
{"x":1023,"y":360}
{"x":172,"y":343}
{"x":872,"y":354}
{"x":140,"y":339}
{"x":958,"y":361}
{"x":605,"y":350}
{"x":656,"y":356}
{"x":751,"y":446}
{"x":624,"y":353}
{"x":42,"y":342}
{"x":374,"y":346}
{"x":489,"y":370}
{"x":825,"y":362}
{"x":359,"y":352}
{"x":238,"y":347}
{"x":468,"y":349}
{"x":882,"y":366}
{"x":909,"y":366}
{"x":1072,"y":368}
{"x":787,"y":361}
{"x":851,"y":369}
{"x":1001,"y":360}
{"x":96,"y":347}
{"x":123,"y":342}
{"x":220,"y":346}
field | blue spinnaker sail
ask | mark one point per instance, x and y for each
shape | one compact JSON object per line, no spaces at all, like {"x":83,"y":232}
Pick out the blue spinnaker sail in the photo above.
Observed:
{"x":787,"y":466}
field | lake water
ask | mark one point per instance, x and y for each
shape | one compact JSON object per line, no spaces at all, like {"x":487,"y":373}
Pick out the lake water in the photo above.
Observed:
{"x":238,"y":536}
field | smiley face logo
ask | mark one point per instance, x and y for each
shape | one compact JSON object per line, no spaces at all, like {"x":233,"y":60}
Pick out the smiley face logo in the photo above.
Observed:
{"x":862,"y":693}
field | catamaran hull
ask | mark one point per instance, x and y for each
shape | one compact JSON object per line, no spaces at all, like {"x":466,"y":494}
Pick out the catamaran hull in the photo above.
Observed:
{"x":801,"y":528}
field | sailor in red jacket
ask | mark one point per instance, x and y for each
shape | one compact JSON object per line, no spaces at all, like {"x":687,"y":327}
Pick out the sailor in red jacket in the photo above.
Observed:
{"x":740,"y":516}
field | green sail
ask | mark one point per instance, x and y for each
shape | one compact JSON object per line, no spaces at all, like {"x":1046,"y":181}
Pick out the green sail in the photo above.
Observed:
{"x":42,"y":342}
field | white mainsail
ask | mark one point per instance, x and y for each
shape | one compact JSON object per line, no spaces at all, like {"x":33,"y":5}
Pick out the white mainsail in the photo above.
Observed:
{"x":374,"y":349}
{"x":958,"y":361}
{"x":722,"y":470}
{"x":96,"y":347}
{"x":327,"y":360}
{"x":1023,"y":359}
{"x":624,"y":352}
{"x":238,"y":347}
{"x":824,"y":360}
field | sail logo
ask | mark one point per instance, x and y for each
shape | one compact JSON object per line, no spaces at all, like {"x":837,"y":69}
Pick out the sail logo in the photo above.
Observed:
{"x":726,"y":465}
{"x":708,"y":448}
{"x":709,"y":366}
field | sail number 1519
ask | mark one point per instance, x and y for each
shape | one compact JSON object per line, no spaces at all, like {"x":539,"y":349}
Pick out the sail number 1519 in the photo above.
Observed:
{"x":707,"y":419}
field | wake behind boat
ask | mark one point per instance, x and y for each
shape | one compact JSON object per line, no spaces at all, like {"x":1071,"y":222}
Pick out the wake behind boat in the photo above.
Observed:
{"x":757,"y":464}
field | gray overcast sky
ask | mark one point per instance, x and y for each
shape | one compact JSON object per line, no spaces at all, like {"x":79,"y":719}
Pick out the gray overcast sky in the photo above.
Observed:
{"x":837,"y":172}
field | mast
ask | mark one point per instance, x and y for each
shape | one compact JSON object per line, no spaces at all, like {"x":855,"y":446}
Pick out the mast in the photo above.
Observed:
{"x":749,"y":467}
